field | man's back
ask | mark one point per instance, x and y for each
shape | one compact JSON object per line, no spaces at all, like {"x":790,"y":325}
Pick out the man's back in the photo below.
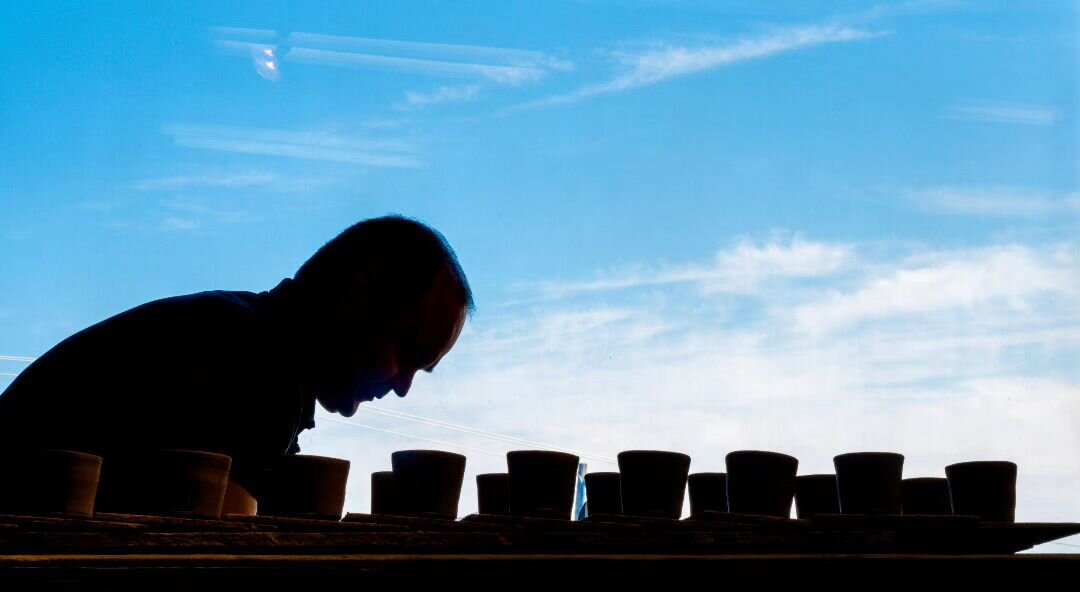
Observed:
{"x":205,"y":371}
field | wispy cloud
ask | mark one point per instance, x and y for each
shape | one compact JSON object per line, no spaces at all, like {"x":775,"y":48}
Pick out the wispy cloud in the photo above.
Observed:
{"x":1009,"y":278}
{"x":443,"y":94}
{"x":999,"y":202}
{"x":174,"y":224}
{"x":227,"y":179}
{"x":310,"y":145}
{"x":669,"y":61}
{"x":738,"y":269}
{"x":491,"y":64}
{"x":1009,"y":113}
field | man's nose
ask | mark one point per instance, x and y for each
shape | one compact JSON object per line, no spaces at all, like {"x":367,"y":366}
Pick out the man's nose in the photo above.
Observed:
{"x":403,"y":383}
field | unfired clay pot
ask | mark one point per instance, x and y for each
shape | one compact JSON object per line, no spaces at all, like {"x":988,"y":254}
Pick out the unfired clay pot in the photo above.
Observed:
{"x":869,"y":482}
{"x":928,"y":496}
{"x":815,"y":494}
{"x":428,"y":482}
{"x":603,"y":493}
{"x":541,"y":483}
{"x":653,"y":482}
{"x":986,"y":489}
{"x":310,"y":486}
{"x":761,"y":482}
{"x":383,"y":497}
{"x":49,"y":482}
{"x":708,"y":492}
{"x":493,"y":493}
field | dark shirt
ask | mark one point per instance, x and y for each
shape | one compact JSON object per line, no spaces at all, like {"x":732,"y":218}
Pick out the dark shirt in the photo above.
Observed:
{"x":214,"y":371}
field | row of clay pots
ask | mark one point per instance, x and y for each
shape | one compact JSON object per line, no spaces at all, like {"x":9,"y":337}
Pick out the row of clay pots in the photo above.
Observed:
{"x":652,"y":483}
{"x":765,"y":483}
{"x":163,"y":482}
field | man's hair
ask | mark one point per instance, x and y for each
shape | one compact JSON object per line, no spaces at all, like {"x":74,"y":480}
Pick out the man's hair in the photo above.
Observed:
{"x":405,"y":257}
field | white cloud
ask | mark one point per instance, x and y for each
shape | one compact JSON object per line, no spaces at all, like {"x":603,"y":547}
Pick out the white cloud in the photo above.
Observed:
{"x":492,"y":64}
{"x":302,"y":144}
{"x":443,"y":94}
{"x":742,"y":268}
{"x":174,"y":223}
{"x":669,"y":61}
{"x":1008,"y":113}
{"x":1010,"y":278}
{"x":219,"y":179}
{"x":999,"y":202}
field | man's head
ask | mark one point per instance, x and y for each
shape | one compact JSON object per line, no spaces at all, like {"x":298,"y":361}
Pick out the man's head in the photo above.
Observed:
{"x":390,"y":301}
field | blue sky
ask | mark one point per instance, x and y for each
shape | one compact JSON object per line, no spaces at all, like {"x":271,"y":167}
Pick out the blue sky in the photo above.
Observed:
{"x":692,"y":225}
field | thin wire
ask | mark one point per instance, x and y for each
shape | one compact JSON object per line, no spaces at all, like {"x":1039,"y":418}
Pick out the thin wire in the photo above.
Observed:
{"x":484,"y":433}
{"x":7,"y":374}
{"x":17,"y":359}
{"x":1065,"y":544}
{"x":404,"y":435}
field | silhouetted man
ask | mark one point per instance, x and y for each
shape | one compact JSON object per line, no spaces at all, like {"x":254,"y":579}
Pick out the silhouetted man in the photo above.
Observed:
{"x":239,"y":372}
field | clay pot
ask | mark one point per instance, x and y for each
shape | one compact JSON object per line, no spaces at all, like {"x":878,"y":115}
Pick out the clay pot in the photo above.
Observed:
{"x":49,"y":483}
{"x":166,"y":482}
{"x":869,"y":482}
{"x":761,"y":482}
{"x":708,"y":492}
{"x":493,"y":493}
{"x":603,"y":494}
{"x":927,"y":496}
{"x":428,"y":482}
{"x":653,"y":482}
{"x":541,"y":483}
{"x":986,"y":489}
{"x":815,"y":494}
{"x":383,"y":497}
{"x":239,"y":501}
{"x":306,"y":486}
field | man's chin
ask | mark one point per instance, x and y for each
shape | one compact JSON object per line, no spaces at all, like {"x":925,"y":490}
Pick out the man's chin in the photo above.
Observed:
{"x":343,"y":408}
{"x":349,"y":409}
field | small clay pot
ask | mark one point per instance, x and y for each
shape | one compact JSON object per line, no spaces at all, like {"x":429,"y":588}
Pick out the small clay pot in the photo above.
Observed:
{"x":869,"y":482}
{"x":428,"y":482}
{"x":383,"y":497}
{"x":310,"y":486}
{"x":986,"y":489}
{"x":49,"y":482}
{"x":541,"y":483}
{"x":603,"y":494}
{"x":928,"y":496}
{"x":815,"y":494}
{"x":708,"y":492}
{"x":167,"y":482}
{"x":761,"y":482}
{"x":493,"y":493}
{"x":239,"y":501}
{"x":653,"y":482}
